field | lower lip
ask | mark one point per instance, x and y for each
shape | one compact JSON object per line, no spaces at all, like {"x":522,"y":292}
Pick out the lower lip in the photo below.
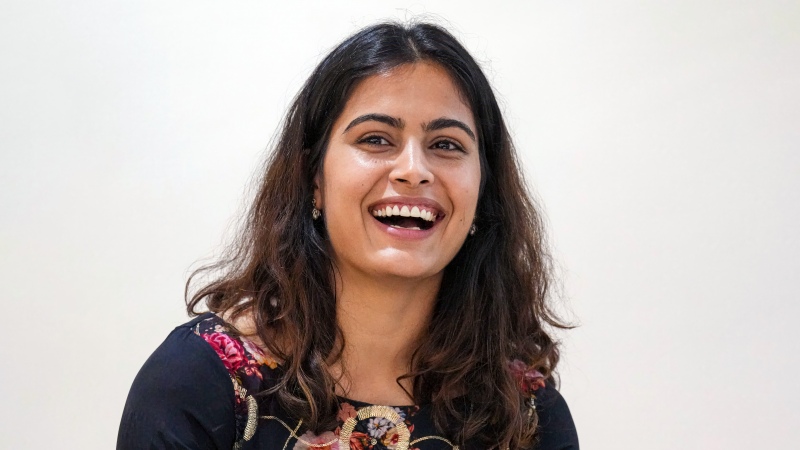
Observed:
{"x":406,"y":233}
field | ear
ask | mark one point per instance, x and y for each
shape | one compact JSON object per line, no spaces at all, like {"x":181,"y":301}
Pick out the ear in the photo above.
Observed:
{"x":318,"y":200}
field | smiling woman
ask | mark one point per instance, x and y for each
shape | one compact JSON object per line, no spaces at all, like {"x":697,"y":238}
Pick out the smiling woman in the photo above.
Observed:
{"x":403,"y":142}
{"x":392,"y":257}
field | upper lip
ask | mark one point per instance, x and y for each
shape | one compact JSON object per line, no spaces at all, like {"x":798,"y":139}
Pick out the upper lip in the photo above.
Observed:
{"x":420,"y":202}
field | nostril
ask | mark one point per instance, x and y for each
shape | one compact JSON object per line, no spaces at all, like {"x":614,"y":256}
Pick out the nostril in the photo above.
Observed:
{"x":406,"y":180}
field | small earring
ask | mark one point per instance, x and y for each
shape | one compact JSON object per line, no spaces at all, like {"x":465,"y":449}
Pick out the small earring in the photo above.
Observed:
{"x":315,"y":213}
{"x":472,"y":230}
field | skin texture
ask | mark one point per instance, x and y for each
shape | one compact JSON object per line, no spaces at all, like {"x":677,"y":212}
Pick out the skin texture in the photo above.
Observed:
{"x":387,"y":279}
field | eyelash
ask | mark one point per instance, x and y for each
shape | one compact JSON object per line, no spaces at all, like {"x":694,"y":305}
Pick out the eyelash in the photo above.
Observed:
{"x":370,"y":140}
{"x":379,"y":140}
{"x":450,"y":143}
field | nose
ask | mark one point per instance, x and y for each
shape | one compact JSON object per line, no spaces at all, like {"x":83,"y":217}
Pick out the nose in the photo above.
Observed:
{"x":411,"y":166}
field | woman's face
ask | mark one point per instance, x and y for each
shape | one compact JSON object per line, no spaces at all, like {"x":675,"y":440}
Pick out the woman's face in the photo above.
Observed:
{"x":401,"y":175}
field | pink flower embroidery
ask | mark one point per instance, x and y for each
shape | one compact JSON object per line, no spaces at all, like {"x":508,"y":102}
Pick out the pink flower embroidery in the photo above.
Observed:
{"x":310,"y":438}
{"x":391,"y":438}
{"x":259,"y":355}
{"x":346,"y":411}
{"x":528,"y":378}
{"x":359,"y":441}
{"x":229,"y":350}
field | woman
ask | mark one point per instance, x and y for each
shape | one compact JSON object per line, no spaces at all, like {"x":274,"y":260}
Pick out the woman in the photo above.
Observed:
{"x":391,"y":257}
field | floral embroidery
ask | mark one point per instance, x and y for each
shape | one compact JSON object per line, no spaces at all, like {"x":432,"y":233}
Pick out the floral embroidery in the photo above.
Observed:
{"x":251,"y":369}
{"x":231,"y":353}
{"x":529,"y":381}
{"x":528,"y":378}
{"x":259,"y":355}
{"x":360,"y":441}
{"x":376,"y":432}
{"x":243,"y":359}
{"x":346,"y":411}
{"x":246,"y":364}
{"x":391,"y":438}
{"x":400,"y":413}
{"x":377,"y":426}
{"x":324,"y":438}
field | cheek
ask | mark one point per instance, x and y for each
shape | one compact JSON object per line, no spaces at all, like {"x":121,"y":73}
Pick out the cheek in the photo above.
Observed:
{"x":350,"y":179}
{"x":348,"y":184}
{"x":470,"y":185}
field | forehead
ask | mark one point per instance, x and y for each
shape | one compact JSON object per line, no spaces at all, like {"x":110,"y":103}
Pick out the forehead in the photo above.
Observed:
{"x":417,"y":92}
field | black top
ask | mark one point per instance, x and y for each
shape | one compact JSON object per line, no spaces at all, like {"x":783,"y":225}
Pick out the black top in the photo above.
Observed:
{"x":194,"y":392}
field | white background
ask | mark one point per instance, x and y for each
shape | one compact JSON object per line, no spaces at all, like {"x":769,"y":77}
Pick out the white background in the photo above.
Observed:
{"x":662,"y":138}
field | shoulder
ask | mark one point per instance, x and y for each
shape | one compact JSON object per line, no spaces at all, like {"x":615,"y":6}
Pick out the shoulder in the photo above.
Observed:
{"x":183,"y":396}
{"x":244,"y":361}
{"x":182,"y":365}
{"x":556,"y":429}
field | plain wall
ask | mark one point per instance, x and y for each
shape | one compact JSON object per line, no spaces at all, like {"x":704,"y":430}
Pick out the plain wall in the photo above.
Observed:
{"x":661,"y":137}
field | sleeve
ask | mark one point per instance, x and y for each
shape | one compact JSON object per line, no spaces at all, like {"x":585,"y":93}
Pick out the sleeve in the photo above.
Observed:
{"x":182,"y":398}
{"x":556,"y":427}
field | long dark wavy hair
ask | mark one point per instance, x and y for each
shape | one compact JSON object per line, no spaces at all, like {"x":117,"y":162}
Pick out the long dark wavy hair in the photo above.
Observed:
{"x":493,"y":304}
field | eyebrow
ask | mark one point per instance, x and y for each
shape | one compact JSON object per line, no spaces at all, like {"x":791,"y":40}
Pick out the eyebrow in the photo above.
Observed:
{"x":395,"y":122}
{"x":383,"y":118}
{"x":444,"y":122}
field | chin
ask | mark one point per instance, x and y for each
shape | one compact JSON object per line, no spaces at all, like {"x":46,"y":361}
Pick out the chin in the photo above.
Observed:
{"x":407,"y":266}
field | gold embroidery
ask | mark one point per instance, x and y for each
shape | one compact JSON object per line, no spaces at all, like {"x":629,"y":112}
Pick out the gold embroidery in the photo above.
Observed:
{"x":252,"y":409}
{"x":252,"y":418}
{"x":415,"y":441}
{"x":293,"y":434}
{"x":384,"y":412}
{"x":364,"y":413}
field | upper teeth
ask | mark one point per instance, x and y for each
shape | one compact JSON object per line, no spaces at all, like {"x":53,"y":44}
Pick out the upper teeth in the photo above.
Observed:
{"x":389,"y":211}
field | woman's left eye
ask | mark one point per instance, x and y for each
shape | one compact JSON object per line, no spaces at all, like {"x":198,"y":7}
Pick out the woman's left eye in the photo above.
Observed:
{"x":446,"y":144}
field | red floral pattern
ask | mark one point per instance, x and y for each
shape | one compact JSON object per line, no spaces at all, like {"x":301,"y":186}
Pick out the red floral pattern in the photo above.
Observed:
{"x":251,"y":367}
{"x":230,"y":351}
{"x":528,"y":379}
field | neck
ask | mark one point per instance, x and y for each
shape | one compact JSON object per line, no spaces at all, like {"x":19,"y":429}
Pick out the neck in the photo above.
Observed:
{"x":382,"y":321}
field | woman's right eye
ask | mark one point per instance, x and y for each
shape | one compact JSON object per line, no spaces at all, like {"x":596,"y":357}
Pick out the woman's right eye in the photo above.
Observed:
{"x":373,"y":140}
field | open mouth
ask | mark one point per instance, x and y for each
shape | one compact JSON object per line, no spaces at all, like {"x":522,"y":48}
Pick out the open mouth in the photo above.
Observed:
{"x":404,"y":217}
